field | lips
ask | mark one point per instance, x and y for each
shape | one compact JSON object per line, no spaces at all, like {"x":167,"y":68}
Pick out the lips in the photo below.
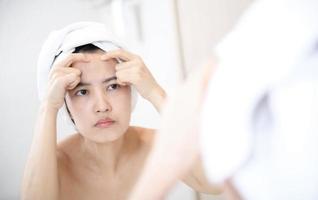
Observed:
{"x":104,"y":123}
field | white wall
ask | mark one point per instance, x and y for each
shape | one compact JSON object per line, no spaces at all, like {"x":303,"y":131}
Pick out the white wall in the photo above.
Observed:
{"x":203,"y":24}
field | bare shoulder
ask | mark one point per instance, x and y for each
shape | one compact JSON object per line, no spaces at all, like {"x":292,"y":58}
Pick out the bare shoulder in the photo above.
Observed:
{"x":146,"y":135}
{"x":65,"y":149}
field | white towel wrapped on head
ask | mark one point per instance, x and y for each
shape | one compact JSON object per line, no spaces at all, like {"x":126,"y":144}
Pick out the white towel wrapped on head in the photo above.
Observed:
{"x":63,"y":42}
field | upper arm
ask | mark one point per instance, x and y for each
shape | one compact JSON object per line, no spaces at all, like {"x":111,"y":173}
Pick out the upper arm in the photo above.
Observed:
{"x":197,"y":180}
{"x":63,"y":168}
{"x":60,"y":165}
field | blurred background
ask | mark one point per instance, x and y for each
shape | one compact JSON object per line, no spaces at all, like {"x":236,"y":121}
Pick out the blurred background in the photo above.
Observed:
{"x":172,"y":36}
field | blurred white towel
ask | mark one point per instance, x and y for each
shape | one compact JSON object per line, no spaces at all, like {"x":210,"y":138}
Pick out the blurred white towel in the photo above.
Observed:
{"x":260,"y":62}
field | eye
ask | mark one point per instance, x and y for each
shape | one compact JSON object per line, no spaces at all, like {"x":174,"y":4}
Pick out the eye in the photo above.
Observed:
{"x":81,"y":92}
{"x":112,"y":87}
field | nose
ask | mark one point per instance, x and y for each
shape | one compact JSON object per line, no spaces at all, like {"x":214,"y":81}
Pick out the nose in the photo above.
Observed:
{"x":101,"y":102}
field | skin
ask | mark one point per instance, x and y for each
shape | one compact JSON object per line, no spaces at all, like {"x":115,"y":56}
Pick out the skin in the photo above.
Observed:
{"x":97,"y":162}
{"x":85,"y":174}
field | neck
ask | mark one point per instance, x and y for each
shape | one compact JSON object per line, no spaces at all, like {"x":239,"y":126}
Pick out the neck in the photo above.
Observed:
{"x":103,"y":157}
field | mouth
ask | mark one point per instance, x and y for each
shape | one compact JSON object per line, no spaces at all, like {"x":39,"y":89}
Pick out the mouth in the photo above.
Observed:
{"x":104,"y":123}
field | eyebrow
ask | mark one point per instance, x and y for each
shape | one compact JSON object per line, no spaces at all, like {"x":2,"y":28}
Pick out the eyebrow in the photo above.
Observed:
{"x":105,"y":81}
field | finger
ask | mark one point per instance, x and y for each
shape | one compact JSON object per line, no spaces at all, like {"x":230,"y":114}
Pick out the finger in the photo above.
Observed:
{"x":64,"y":71}
{"x":68,"y":70}
{"x":71,"y":81}
{"x":120,"y":53}
{"x":72,"y":58}
{"x":73,"y":84}
{"x":124,"y":78}
{"x":122,"y":83}
{"x":125,"y":65}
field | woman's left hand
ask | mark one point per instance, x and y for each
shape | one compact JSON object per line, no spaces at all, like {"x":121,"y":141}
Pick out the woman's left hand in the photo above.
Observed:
{"x":133,"y":71}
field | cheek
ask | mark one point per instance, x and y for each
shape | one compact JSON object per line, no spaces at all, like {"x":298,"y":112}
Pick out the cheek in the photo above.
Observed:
{"x":122,"y":104}
{"x":77,"y":110}
{"x":125,"y":99}
{"x":83,"y":120}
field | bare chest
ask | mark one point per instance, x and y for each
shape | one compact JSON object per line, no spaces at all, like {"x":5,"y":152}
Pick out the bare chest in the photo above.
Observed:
{"x":98,"y":187}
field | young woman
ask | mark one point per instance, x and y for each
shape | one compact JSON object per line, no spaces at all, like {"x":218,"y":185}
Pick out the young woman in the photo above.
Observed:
{"x":105,"y":157}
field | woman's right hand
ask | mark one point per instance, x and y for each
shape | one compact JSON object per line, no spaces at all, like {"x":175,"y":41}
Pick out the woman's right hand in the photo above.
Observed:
{"x":63,"y":77}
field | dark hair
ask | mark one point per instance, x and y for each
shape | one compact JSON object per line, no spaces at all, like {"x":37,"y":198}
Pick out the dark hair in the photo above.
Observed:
{"x":87,"y":48}
{"x":68,"y":112}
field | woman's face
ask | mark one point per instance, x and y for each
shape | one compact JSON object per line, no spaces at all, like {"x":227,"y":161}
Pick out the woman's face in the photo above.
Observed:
{"x":99,"y":106}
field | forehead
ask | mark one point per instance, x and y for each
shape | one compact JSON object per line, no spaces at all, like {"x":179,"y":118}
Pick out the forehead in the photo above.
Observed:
{"x":95,"y":65}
